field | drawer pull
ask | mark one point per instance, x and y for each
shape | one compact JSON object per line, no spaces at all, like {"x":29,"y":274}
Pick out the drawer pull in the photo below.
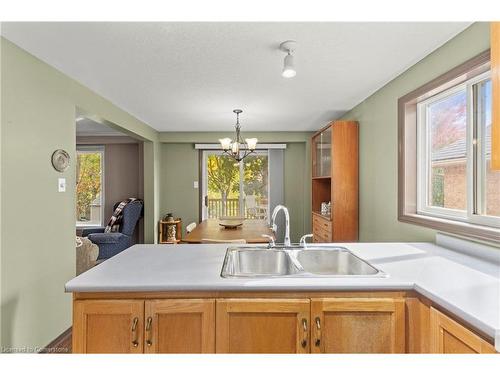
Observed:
{"x":149,"y":340}
{"x":317,"y":342}
{"x":303,"y":343}
{"x":135,"y":342}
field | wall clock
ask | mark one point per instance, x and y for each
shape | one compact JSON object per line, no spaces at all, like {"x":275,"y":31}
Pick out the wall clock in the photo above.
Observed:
{"x":60,"y":160}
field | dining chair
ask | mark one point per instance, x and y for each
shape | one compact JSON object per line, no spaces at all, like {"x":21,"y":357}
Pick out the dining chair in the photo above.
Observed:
{"x":254,"y":210}
{"x":209,"y":240}
{"x":190,"y":227}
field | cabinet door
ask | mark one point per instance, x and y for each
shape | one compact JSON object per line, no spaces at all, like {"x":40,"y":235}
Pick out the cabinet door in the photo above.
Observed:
{"x":449,"y":337}
{"x":262,"y":325}
{"x":322,"y":153}
{"x":180,"y":326}
{"x":108,"y":326}
{"x":357,"y":325}
{"x":417,"y":323}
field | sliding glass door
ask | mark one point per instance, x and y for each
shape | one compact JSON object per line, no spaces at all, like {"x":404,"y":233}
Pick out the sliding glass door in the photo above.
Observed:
{"x":235,"y":189}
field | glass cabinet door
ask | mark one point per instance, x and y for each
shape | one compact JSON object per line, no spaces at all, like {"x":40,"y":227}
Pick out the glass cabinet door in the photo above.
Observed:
{"x":322,"y":158}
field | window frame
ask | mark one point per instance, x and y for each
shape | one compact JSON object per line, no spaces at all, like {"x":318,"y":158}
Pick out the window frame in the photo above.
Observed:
{"x":94,"y":149}
{"x":423,"y":162}
{"x":475,"y":172}
{"x":480,"y":227}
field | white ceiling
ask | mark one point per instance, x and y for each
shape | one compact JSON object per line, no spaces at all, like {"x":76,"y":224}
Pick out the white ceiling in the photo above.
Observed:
{"x":190,"y":76}
{"x":88,"y":127}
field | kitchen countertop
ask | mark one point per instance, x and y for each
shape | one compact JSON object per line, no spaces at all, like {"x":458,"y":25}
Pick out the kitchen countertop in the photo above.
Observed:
{"x":467,"y":286}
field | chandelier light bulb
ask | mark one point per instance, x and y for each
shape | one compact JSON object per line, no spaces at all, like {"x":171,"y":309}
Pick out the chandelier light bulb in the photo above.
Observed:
{"x":251,"y":143}
{"x":235,"y":148}
{"x":225,"y":143}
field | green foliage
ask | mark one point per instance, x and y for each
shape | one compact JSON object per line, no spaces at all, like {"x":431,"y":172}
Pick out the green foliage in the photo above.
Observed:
{"x":224,"y":178}
{"x":256,"y":175}
{"x":88,"y":183}
{"x":224,"y":181}
{"x":223,"y":175}
{"x":438,"y":187}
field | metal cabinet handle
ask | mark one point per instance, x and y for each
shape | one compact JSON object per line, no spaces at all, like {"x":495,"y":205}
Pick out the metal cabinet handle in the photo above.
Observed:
{"x":149,"y":323}
{"x":304,"y":327}
{"x":317,"y":342}
{"x":135,"y":342}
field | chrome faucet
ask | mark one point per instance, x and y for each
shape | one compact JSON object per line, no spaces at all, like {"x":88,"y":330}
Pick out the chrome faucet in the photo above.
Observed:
{"x":274,"y":227}
{"x":303,"y":242}
{"x":272,"y":243}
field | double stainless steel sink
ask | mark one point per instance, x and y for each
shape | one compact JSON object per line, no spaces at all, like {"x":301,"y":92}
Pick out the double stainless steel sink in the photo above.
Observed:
{"x":313,"y":261}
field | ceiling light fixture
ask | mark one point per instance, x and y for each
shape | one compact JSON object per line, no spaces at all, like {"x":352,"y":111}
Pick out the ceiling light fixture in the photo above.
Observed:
{"x":233,"y":147}
{"x":288,"y":65}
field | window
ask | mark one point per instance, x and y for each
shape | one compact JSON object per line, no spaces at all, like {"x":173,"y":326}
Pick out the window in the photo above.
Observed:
{"x":235,"y":189}
{"x":445,"y":178}
{"x":454,"y":153}
{"x":89,"y":186}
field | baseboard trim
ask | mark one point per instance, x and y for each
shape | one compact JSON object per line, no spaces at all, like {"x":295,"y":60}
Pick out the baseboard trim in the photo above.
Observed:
{"x":60,"y":345}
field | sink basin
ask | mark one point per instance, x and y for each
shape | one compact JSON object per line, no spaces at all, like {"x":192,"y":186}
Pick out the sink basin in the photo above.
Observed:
{"x":339,"y":262}
{"x":324,"y":261}
{"x":245,"y":262}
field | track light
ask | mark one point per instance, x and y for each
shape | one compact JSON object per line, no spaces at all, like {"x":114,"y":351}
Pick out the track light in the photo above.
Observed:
{"x":288,"y":64}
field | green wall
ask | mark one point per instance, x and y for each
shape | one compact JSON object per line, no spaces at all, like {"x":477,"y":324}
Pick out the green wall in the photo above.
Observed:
{"x":38,"y":106}
{"x":377,"y":116}
{"x":180,"y":167}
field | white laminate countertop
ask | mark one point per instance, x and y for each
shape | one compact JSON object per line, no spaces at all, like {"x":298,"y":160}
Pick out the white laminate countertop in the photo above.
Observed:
{"x":467,"y":286}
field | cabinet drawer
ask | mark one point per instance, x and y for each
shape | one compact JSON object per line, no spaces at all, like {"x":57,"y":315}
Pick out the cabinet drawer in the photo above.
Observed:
{"x":319,"y":239}
{"x":323,"y":234}
{"x":322,"y":229}
{"x":319,"y":222}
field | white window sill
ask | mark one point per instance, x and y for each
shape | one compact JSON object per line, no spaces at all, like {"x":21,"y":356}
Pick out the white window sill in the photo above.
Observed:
{"x":466,"y":229}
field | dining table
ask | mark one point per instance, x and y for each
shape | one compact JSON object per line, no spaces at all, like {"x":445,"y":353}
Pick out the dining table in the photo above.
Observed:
{"x":251,"y":231}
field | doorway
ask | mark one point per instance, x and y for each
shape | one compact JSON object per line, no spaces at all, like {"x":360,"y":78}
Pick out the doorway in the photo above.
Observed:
{"x":109,"y":169}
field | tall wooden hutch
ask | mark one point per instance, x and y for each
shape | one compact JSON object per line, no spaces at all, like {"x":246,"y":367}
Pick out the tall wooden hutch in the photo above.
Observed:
{"x":335,"y":179}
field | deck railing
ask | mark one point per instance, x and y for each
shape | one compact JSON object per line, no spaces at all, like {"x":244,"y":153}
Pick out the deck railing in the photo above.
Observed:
{"x":216,"y":209}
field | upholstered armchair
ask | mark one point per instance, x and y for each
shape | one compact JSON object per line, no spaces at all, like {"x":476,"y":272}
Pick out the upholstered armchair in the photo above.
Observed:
{"x":113,"y":243}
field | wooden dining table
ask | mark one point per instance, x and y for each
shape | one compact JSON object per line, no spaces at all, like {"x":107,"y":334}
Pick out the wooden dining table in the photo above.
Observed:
{"x":251,"y":231}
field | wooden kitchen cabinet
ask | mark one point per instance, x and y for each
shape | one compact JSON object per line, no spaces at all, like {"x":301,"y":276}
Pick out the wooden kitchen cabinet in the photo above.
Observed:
{"x":180,"y":326}
{"x":287,"y":322}
{"x":262,"y":325}
{"x":357,"y":325}
{"x":449,"y":337}
{"x":108,"y":326}
{"x":335,"y":176}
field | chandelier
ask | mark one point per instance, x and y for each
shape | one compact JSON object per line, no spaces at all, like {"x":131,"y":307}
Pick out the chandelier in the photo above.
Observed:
{"x":236,"y":148}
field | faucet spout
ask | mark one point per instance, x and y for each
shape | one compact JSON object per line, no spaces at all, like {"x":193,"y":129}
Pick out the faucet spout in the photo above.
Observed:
{"x":274,"y":227}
